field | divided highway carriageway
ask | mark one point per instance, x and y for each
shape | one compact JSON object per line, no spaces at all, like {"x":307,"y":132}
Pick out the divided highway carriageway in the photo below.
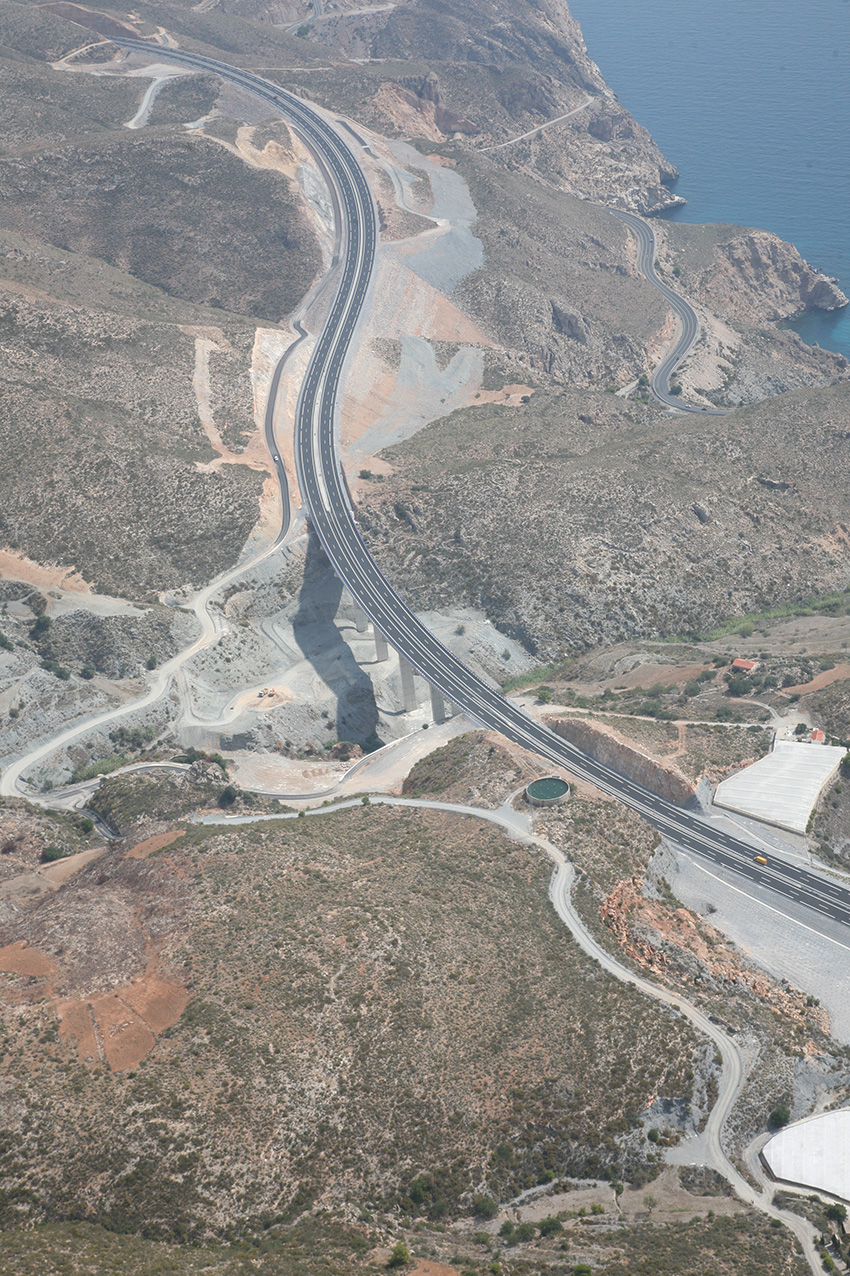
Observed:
{"x":333,"y":518}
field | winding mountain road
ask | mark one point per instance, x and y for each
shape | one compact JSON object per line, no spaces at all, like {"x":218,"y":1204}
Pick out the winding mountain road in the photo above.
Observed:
{"x":686,"y":316}
{"x":333,"y":518}
{"x":709,"y":1148}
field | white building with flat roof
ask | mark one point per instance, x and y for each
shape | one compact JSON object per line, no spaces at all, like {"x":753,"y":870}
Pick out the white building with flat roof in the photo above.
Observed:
{"x":783,"y":787}
{"x":813,"y":1153}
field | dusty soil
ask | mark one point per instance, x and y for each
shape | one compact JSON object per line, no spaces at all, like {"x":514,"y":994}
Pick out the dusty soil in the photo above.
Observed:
{"x":158,"y":842}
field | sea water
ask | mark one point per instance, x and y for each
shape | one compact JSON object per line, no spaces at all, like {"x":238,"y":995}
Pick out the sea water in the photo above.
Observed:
{"x":750,"y":100}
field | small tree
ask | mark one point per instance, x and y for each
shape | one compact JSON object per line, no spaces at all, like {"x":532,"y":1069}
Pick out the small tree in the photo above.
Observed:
{"x":544,"y":695}
{"x":836,"y":1213}
{"x":400,"y":1256}
{"x":780,"y":1115}
{"x":484,"y":1206}
{"x":50,"y":854}
{"x":228,"y":795}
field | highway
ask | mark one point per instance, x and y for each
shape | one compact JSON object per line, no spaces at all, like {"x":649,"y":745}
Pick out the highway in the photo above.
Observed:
{"x":659,"y":382}
{"x":333,"y":518}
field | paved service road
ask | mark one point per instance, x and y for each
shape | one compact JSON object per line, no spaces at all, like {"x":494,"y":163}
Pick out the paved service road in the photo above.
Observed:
{"x":332,"y":514}
{"x":684,"y":312}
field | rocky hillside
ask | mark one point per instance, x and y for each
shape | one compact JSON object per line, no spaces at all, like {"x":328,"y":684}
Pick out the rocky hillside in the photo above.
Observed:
{"x":162,"y":209}
{"x":320,"y":1011}
{"x":490,"y":74}
{"x":121,"y":267}
{"x":576,"y":520}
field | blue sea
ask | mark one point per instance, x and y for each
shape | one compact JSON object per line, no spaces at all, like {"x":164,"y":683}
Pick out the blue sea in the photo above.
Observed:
{"x":751,"y":101}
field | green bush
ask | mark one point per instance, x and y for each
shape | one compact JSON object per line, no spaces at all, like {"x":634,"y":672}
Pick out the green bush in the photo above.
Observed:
{"x":549,"y":1226}
{"x":400,"y":1255}
{"x":228,"y":795}
{"x":523,"y":1232}
{"x":485,"y":1206}
{"x":50,"y":854}
{"x":780,"y":1116}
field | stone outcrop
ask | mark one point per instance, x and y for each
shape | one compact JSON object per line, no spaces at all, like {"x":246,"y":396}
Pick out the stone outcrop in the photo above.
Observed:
{"x":674,"y":945}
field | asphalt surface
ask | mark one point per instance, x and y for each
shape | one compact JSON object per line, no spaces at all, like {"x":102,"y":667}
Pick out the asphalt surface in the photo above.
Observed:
{"x":333,"y":518}
{"x":659,"y":382}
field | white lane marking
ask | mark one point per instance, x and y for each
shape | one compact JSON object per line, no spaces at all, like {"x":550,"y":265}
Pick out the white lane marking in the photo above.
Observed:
{"x":755,"y":899}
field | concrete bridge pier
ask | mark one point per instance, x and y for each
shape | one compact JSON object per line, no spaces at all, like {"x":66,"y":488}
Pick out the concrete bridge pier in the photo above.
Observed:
{"x":438,"y":705}
{"x":408,"y":688}
{"x":382,"y":651}
{"x":361,"y":620}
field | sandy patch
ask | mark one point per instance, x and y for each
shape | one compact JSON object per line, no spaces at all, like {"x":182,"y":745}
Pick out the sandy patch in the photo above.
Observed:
{"x":283,"y":775}
{"x":122,"y":1026}
{"x":126,"y":1039}
{"x":645,"y":676}
{"x":510,"y":395}
{"x":14,"y":566}
{"x":76,"y":1024}
{"x":391,"y":403}
{"x":255,"y":703}
{"x":20,"y":959}
{"x":825,"y":679}
{"x":669,"y":1203}
{"x":582,"y":1197}
{"x":156,"y":1001}
{"x":58,"y":873}
{"x":427,"y":1267}
{"x":709,"y":362}
{"x":142,"y":850}
{"x":413,"y":116}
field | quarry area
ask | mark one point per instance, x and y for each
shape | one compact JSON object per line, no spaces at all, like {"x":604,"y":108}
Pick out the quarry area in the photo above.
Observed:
{"x":290,"y":969}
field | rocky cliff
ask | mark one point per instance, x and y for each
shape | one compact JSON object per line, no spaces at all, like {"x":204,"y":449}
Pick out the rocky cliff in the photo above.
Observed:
{"x":749,"y":276}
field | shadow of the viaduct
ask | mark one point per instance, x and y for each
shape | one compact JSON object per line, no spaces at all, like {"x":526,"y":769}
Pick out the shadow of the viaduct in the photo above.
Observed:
{"x":319,"y":640}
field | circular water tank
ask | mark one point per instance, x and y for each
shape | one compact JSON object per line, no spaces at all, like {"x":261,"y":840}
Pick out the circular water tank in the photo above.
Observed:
{"x":547,"y":791}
